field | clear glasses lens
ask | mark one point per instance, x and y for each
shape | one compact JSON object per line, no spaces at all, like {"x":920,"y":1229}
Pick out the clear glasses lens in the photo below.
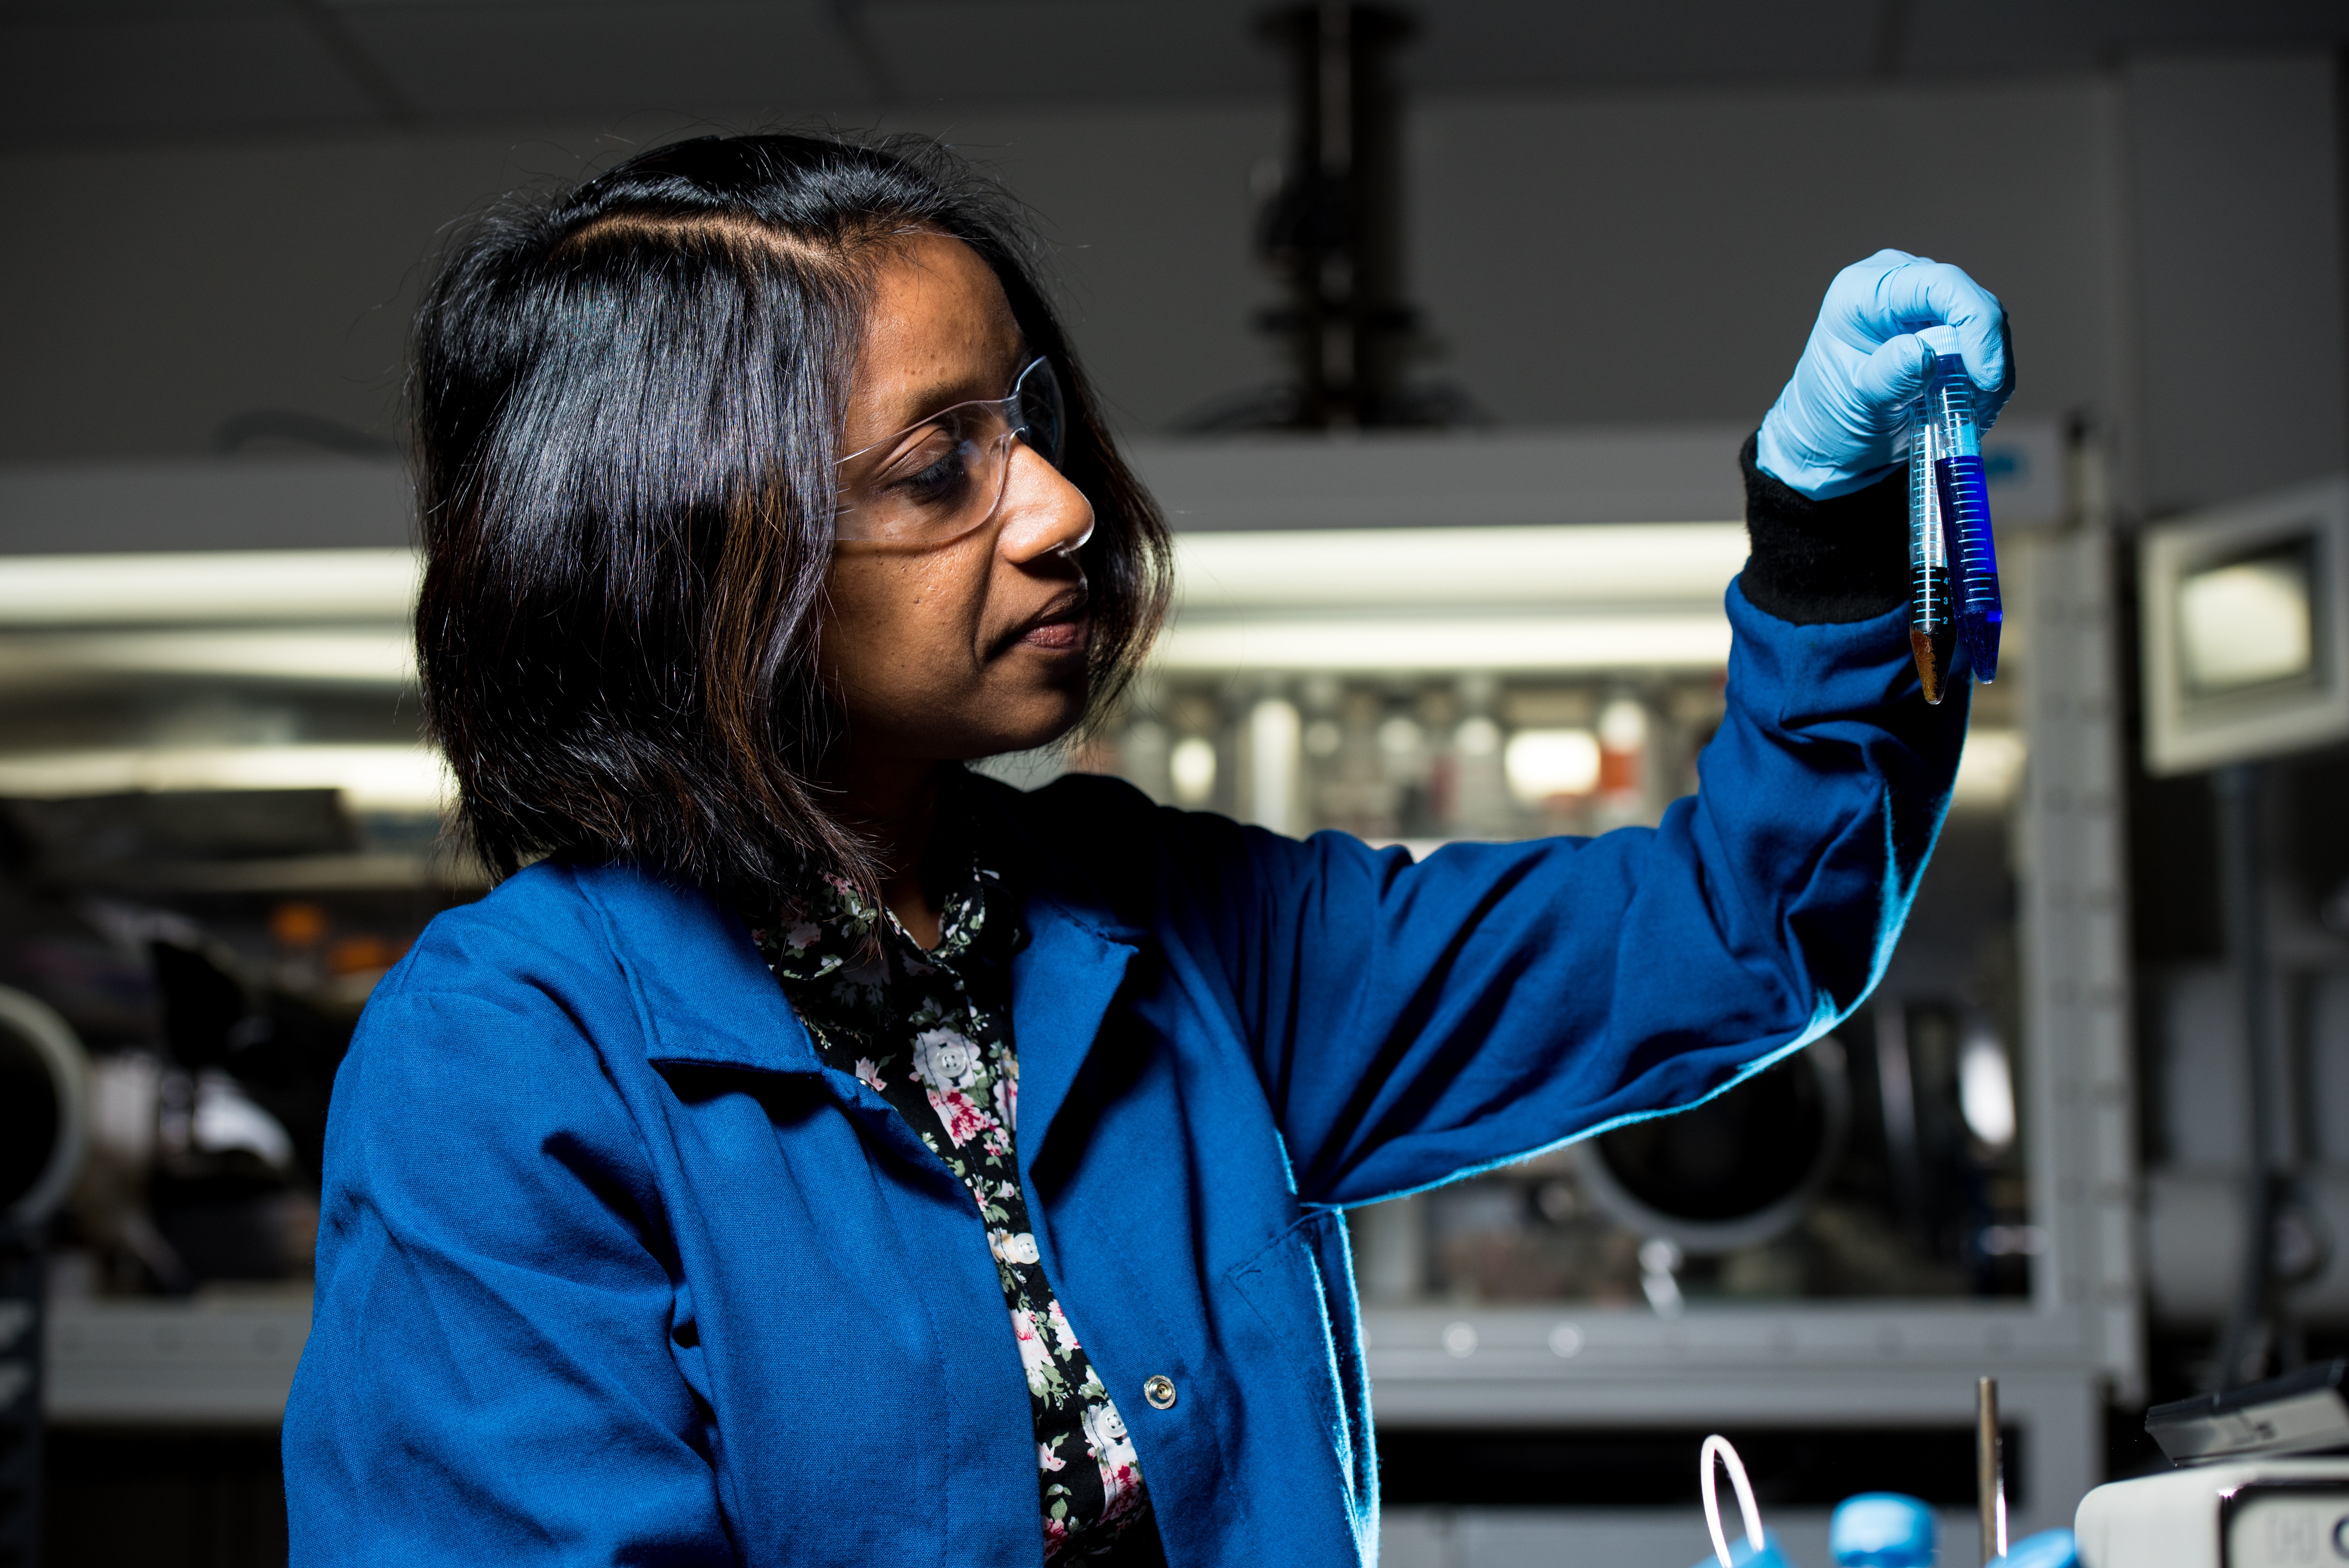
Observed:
{"x":944,"y":477}
{"x":1042,"y":416}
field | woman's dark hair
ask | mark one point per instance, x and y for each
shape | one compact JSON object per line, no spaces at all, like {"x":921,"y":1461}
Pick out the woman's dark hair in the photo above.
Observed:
{"x":625,"y":406}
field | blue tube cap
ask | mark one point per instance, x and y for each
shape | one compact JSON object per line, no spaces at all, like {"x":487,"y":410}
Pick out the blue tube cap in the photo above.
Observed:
{"x":2048,"y":1549}
{"x":1742,"y":1555}
{"x":1881,"y":1529}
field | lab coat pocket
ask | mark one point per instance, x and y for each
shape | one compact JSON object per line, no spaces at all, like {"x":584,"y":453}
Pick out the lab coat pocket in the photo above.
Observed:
{"x":684,"y":1345}
{"x":1301,"y":1287}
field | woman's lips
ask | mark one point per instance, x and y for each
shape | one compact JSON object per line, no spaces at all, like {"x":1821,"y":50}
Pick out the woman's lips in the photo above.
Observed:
{"x":1063,"y":633}
{"x":1062,"y":625}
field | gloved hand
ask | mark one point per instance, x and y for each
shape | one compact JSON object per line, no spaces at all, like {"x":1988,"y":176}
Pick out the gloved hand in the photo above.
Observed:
{"x":1842,"y":421}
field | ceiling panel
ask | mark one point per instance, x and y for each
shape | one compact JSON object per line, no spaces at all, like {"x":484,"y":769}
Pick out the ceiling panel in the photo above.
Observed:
{"x":194,"y":72}
{"x":1522,"y":44}
{"x":613,"y":57}
{"x":2080,"y":34}
{"x":155,"y":66}
{"x":16,"y":12}
{"x":1047,"y":50}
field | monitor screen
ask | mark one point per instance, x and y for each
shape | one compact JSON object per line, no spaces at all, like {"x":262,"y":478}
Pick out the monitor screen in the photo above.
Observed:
{"x":2251,"y":622}
{"x":2246,"y":629}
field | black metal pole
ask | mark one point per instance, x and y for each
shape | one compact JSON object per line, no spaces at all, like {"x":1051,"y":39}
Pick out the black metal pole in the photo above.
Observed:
{"x":1334,"y":228}
{"x":2242,"y":1343}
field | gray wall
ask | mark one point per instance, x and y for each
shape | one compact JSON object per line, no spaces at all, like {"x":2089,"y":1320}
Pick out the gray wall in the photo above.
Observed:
{"x":2235,"y":192}
{"x":1587,"y":258}
{"x":1652,"y":258}
{"x":160,"y":290}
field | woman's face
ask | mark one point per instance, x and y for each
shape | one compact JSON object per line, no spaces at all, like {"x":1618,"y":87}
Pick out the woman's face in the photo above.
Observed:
{"x":977,"y":645}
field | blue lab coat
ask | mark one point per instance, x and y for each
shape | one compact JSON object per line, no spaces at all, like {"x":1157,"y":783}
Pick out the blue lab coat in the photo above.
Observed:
{"x":613,"y":1269}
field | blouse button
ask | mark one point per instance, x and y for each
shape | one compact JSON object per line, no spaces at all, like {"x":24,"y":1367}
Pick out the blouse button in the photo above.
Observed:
{"x":1160,"y":1392}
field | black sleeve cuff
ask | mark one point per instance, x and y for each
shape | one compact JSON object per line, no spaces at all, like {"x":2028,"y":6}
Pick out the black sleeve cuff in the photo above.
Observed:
{"x":1818,"y":561}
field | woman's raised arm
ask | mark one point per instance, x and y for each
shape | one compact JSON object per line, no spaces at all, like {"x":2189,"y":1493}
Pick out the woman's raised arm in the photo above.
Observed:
{"x":1414,"y":1022}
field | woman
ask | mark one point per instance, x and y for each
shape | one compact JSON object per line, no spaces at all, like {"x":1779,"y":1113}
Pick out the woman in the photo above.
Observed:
{"x":678,"y":1192}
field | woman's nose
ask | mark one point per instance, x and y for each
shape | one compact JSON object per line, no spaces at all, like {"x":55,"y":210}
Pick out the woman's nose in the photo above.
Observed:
{"x":1042,"y":513}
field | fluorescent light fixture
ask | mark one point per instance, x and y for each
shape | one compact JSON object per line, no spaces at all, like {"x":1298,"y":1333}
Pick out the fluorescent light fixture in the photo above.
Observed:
{"x":1373,"y":643}
{"x":1579,"y":597}
{"x":1645,"y":563}
{"x":1543,"y":764}
{"x":364,"y":655}
{"x":372,"y":777}
{"x":198,"y":586}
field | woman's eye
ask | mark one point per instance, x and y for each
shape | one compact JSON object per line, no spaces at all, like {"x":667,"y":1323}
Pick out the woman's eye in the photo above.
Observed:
{"x":938,"y":480}
{"x":933,"y":470}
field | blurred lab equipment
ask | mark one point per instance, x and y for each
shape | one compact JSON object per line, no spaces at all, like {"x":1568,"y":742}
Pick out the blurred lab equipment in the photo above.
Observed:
{"x":1990,"y":1470}
{"x":1871,"y":1529}
{"x":2245,"y":635}
{"x":1756,"y":1548}
{"x":1738,"y":1172}
{"x":2244,"y":660}
{"x":2248,"y":1492}
{"x":1329,"y":226}
{"x":44,"y":1109}
{"x":2302,"y":1412}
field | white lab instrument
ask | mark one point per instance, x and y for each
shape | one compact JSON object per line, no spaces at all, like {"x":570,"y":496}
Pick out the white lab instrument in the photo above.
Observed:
{"x":2260,"y":1513}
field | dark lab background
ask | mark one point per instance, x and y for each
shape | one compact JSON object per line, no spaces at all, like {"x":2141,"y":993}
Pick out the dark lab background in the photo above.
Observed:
{"x":1613,"y":216}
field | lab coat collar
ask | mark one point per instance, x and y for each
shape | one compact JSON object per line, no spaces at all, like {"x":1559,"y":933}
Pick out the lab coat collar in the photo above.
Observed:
{"x":704,"y":995}
{"x":707,"y":999}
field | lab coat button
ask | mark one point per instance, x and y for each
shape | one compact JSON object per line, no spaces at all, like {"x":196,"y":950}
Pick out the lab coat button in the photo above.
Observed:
{"x":1160,"y":1392}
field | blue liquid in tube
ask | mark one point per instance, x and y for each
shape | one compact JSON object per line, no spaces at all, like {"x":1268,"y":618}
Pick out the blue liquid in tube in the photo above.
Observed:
{"x":1944,"y":438}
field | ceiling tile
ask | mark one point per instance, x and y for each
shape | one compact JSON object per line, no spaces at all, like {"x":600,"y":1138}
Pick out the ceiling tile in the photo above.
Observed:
{"x":174,"y":73}
{"x":2083,"y":34}
{"x":1043,"y":50}
{"x":14,"y":12}
{"x":477,"y":61}
{"x":1528,"y":44}
{"x":71,"y":67}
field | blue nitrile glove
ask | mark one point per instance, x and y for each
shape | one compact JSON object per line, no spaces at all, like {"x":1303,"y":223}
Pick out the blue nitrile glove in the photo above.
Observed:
{"x":1843,"y":420}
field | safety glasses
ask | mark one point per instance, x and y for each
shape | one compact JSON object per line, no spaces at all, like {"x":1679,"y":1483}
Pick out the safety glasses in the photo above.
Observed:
{"x":942,"y":476}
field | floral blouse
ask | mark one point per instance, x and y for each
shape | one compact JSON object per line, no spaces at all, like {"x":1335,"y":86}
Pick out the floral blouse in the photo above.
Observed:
{"x":930,"y":1031}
